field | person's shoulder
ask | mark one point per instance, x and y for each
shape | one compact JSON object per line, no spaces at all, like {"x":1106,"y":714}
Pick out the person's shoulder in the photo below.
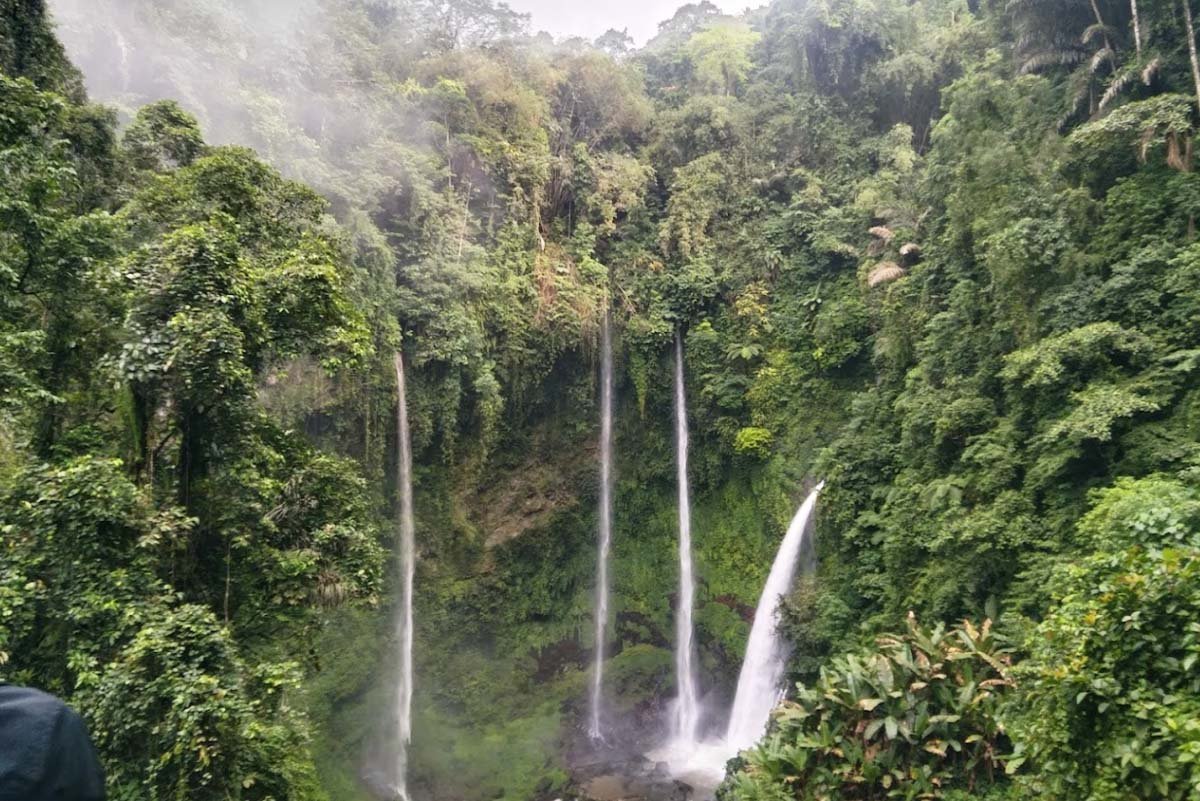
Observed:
{"x":27,"y":700}
{"x":45,"y":751}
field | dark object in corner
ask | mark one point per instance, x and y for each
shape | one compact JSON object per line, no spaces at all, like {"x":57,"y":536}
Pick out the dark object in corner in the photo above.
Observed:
{"x":45,"y":751}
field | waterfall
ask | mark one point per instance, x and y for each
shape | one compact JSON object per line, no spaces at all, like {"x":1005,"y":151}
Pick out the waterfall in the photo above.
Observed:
{"x":407,"y":557}
{"x":605,"y":533}
{"x":760,"y":683}
{"x":123,"y":49}
{"x":686,"y":715}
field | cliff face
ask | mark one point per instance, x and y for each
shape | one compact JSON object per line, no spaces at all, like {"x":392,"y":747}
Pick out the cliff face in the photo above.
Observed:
{"x":503,"y":622}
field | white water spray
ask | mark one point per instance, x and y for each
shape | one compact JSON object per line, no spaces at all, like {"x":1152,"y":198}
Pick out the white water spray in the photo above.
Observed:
{"x":761,"y":681}
{"x":123,"y":50}
{"x":595,"y":731}
{"x":686,"y":712}
{"x":760,"y":685}
{"x":407,"y":556}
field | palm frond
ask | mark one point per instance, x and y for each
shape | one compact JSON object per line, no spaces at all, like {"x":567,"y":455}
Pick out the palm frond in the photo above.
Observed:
{"x":1179,"y":152}
{"x":1119,"y":84}
{"x":1102,"y":55}
{"x":1077,"y":103}
{"x":1094,"y":30}
{"x":1065,"y":57}
{"x":1151,"y":70}
{"x":885,"y":272}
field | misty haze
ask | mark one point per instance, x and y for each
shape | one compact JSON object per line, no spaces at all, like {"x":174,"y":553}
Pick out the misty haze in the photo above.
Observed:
{"x":590,"y":20}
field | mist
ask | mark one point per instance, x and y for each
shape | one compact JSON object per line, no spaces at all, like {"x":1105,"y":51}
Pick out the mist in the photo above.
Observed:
{"x":297,"y":80}
{"x":639,"y":18}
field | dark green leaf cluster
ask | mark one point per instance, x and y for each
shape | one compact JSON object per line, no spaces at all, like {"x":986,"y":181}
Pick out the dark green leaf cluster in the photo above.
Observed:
{"x":914,"y":717}
{"x":1111,"y":693}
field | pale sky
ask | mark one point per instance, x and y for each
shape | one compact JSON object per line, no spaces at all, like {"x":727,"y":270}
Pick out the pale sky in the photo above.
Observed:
{"x":590,"y":18}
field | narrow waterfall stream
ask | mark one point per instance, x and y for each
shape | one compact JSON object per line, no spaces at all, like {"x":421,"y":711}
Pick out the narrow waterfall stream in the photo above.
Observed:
{"x":407,"y":557}
{"x":595,"y":729}
{"x":686,"y":717}
{"x":761,"y":681}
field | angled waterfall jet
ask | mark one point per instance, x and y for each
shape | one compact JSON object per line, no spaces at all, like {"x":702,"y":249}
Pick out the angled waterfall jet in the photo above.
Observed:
{"x":760,"y":684}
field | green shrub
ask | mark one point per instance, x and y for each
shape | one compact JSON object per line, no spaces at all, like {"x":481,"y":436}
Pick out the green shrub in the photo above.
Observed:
{"x":1110,"y":701}
{"x":753,"y":441}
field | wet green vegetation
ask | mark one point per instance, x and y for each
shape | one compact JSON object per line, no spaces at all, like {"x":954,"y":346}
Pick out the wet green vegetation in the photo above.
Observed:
{"x":941,"y":254}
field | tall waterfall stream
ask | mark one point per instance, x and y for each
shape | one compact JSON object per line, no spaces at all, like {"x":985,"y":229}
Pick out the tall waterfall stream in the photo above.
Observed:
{"x":686,"y":717}
{"x":760,"y":684}
{"x":698,"y":762}
{"x":407,"y":557}
{"x":595,"y":728}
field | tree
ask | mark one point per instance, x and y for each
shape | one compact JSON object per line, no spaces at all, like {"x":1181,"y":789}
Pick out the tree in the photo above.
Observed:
{"x":616,"y":43}
{"x":687,"y":21}
{"x":720,"y":55}
{"x":162,"y":137}
{"x":29,"y":49}
{"x":1191,"y":43}
{"x":449,"y":24}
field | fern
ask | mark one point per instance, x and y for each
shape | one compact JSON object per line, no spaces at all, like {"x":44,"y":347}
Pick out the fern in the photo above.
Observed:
{"x":885,"y":273}
{"x":1151,"y":70}
{"x":1092,"y":31}
{"x":1076,"y":104}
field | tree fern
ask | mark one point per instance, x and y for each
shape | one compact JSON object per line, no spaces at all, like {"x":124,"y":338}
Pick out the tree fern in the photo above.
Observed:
{"x":1151,"y":70}
{"x":1104,"y":55}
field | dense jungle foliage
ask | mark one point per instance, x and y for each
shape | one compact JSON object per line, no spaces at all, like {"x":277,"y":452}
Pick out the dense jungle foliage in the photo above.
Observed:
{"x":939,"y":253}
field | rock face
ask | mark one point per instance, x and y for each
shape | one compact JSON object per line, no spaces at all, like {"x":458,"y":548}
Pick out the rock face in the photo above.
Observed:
{"x":528,"y":495}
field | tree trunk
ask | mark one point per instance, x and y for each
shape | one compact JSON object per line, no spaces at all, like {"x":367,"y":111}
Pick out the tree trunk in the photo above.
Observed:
{"x":228,"y":572}
{"x":1137,"y":28}
{"x":1191,"y":36}
{"x":1103,"y":27}
{"x":142,"y":419}
{"x":466,"y":221}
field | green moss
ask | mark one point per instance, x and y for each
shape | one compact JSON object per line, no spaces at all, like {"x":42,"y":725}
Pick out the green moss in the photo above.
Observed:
{"x":735,"y":543}
{"x":344,"y":695}
{"x":725,"y":628}
{"x":509,"y":760}
{"x":638,"y":672}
